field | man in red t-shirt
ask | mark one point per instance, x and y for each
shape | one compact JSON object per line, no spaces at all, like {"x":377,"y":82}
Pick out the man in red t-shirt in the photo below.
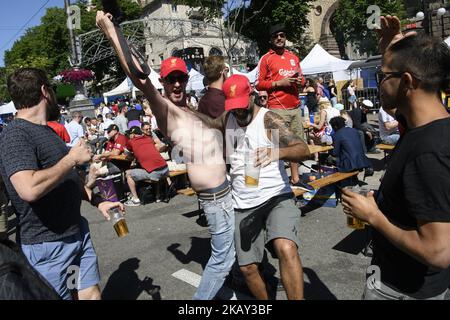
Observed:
{"x":279,"y":74}
{"x":153,"y":166}
{"x":60,"y":130}
{"x":114,"y":147}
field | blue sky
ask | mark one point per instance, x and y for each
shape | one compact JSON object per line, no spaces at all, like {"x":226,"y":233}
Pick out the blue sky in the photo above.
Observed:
{"x":14,"y":14}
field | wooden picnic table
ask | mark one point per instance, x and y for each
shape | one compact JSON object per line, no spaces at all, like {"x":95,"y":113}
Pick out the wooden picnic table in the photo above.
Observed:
{"x":121,"y":157}
{"x":317,"y":149}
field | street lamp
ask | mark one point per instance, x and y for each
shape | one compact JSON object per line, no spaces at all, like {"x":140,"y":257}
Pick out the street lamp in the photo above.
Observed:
{"x":426,"y":16}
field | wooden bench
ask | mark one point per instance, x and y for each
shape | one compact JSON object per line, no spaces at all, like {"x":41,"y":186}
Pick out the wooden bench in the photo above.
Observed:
{"x":386,"y":149}
{"x":325,"y":181}
{"x":177,"y":173}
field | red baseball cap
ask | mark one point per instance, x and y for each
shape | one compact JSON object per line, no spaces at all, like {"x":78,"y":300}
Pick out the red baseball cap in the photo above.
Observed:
{"x":172,"y":64}
{"x":237,"y":91}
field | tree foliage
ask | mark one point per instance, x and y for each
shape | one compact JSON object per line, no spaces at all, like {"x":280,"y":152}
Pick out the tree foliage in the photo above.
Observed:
{"x":47,"y":46}
{"x":293,"y":13}
{"x":253,"y":18}
{"x":349,"y":22}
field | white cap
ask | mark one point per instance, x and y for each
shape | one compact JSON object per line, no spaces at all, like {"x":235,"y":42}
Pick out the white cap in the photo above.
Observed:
{"x":339,"y":106}
{"x":367,"y":103}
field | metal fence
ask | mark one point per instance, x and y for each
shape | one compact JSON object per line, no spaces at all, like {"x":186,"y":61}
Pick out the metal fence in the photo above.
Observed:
{"x":371,"y":94}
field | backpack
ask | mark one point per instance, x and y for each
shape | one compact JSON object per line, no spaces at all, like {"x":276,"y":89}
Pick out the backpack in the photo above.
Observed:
{"x":146,"y":193}
{"x":18,"y":279}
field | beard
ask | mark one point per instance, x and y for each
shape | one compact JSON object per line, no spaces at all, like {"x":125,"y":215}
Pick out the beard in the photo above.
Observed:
{"x":245,"y":117}
{"x":53,"y":112}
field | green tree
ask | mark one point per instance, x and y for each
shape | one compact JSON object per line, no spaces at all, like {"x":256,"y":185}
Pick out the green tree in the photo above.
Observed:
{"x":293,"y":13}
{"x":47,"y":46}
{"x":350,"y":22}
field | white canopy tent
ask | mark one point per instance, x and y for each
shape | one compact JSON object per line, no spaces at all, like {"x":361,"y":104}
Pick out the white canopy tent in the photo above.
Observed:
{"x":8,"y":108}
{"x":250,"y":75}
{"x":195,"y":82}
{"x":320,"y":61}
{"x":127,"y":87}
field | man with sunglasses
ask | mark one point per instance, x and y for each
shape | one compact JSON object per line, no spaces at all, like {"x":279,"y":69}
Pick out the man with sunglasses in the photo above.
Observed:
{"x":411,"y":212}
{"x":202,"y":151}
{"x":279,"y":74}
{"x":263,"y":98}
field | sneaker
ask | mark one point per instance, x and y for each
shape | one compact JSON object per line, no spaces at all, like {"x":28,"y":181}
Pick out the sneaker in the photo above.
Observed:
{"x":374,"y":151}
{"x":132,"y":202}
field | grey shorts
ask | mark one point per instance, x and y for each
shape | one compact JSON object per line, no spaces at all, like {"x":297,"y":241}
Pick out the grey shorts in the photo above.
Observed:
{"x":257,"y":227}
{"x":155,"y":175}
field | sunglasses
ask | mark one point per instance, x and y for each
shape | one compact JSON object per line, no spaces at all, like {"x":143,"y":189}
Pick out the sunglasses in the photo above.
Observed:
{"x":175,"y":79}
{"x":381,"y":76}
{"x":279,"y":35}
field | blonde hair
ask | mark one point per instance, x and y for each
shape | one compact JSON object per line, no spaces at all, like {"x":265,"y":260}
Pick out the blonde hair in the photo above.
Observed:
{"x":324,"y":103}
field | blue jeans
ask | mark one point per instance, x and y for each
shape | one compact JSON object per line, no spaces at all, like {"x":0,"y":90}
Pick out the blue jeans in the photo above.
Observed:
{"x":391,"y":139}
{"x":220,"y":217}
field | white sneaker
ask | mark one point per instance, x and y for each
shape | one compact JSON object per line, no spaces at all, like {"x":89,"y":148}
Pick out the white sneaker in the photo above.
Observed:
{"x":133,"y":202}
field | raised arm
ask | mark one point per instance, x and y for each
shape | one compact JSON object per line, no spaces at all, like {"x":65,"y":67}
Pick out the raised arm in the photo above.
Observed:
{"x":390,"y":33}
{"x":289,"y":146}
{"x":161,"y":107}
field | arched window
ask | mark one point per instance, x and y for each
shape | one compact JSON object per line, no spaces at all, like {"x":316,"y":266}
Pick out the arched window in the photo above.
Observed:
{"x":215,"y":52}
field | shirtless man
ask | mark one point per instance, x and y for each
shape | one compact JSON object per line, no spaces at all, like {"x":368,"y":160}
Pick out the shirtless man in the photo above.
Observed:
{"x":202,"y":152}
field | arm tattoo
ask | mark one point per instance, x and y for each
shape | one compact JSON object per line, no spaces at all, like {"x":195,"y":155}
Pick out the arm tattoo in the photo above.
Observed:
{"x":286,"y":137}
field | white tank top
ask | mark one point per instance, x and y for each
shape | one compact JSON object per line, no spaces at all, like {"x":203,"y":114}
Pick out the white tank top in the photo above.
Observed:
{"x":273,"y":179}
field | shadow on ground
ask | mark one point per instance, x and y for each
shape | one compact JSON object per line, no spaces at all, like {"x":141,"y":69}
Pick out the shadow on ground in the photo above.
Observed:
{"x":199,"y":252}
{"x":124,"y":283}
{"x":355,"y":242}
{"x":315,"y":289}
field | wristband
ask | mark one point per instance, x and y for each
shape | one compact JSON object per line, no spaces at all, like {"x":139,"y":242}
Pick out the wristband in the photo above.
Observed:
{"x":97,"y":199}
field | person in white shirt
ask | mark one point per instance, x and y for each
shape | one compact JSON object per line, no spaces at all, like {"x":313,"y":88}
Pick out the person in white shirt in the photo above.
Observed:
{"x":388,"y":127}
{"x":75,"y":129}
{"x":105,"y":124}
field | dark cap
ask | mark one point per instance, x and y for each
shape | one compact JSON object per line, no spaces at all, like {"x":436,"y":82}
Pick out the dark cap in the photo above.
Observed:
{"x":277,"y":28}
{"x":135,"y":130}
{"x":112,"y":127}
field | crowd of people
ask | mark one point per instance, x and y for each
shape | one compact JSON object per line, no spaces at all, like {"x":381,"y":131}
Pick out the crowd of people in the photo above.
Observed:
{"x":42,"y":162}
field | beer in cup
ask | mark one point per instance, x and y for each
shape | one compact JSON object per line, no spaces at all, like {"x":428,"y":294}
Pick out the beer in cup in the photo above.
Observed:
{"x":120,"y":225}
{"x":251,"y":172}
{"x":353,"y":222}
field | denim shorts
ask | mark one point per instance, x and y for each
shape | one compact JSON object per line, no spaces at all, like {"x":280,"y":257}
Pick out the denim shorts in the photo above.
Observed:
{"x":155,"y":175}
{"x":60,"y":261}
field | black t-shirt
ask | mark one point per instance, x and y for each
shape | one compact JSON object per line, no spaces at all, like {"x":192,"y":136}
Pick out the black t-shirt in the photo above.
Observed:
{"x":358,"y":118}
{"x":134,"y":114}
{"x":332,"y":89}
{"x":28,"y":146}
{"x":416,"y":187}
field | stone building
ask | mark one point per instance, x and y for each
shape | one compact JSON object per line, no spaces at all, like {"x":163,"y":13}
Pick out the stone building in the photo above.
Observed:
{"x":179,"y":30}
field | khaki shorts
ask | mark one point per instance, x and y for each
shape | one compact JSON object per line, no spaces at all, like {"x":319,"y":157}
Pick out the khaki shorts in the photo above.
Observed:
{"x":257,"y":227}
{"x":293,"y":120}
